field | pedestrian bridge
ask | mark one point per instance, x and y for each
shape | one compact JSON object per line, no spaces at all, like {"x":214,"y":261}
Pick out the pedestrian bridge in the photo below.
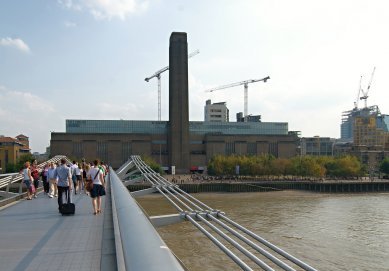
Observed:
{"x":34,"y":236}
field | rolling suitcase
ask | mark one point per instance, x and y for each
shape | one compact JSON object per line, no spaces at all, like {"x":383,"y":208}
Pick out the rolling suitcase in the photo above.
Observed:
{"x":68,"y":208}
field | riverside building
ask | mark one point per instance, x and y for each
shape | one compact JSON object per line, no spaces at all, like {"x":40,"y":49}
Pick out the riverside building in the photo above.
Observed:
{"x":114,"y":141}
{"x":178,"y":142}
{"x":365,"y":134}
{"x":11,"y":149}
{"x":216,"y":112}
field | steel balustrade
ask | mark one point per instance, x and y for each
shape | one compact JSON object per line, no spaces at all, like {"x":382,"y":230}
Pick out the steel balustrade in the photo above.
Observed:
{"x":180,"y":200}
{"x":140,"y":246}
{"x":6,"y":180}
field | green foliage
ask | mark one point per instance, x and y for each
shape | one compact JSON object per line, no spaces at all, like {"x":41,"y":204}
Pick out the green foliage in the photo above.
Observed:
{"x":24,"y":158}
{"x":344,"y":166}
{"x":384,"y":166}
{"x":12,"y":168}
{"x":262,"y":165}
{"x":152,"y":164}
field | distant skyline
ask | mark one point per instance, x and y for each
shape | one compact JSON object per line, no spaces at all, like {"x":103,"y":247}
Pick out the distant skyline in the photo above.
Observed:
{"x":81,"y":59}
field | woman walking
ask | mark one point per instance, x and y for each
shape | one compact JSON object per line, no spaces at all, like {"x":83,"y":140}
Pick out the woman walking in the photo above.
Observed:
{"x":35,"y":176}
{"x":27,"y":179}
{"x":98,"y":190}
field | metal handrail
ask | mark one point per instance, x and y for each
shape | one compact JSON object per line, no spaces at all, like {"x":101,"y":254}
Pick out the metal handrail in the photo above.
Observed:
{"x":7,"y":180}
{"x":142,"y":247}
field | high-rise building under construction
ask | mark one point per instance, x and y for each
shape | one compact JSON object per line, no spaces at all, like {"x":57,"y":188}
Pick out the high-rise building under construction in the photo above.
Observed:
{"x":367,"y":131}
{"x":364,"y":126}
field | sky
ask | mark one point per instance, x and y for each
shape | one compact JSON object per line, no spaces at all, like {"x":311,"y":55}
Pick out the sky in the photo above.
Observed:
{"x":87,"y":59}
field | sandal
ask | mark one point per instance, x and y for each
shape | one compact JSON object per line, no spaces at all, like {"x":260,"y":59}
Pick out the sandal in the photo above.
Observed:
{"x":95,"y":213}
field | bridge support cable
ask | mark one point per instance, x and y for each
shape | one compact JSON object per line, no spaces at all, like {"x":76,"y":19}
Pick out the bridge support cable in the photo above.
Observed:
{"x":196,"y":200}
{"x":149,"y":180}
{"x":125,"y":176}
{"x":234,"y":243}
{"x":170,"y":200}
{"x":177,"y":199}
{"x":127,"y":164}
{"x":198,"y":208}
{"x":230,"y":254}
{"x":252,"y":244}
{"x":192,"y":209}
{"x":124,"y":168}
{"x":269,"y":245}
{"x":254,"y":258}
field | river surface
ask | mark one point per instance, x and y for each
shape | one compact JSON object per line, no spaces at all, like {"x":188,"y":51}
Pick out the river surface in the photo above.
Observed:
{"x":327,"y":231}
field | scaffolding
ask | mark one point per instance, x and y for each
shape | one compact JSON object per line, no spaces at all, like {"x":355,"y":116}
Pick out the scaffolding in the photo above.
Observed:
{"x":365,"y":126}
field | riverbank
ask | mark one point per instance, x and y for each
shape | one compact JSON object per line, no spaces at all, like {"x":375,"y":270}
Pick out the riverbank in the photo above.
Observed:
{"x":269,"y":186}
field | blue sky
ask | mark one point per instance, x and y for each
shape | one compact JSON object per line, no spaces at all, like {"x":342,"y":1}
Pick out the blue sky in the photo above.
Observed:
{"x":87,"y":59}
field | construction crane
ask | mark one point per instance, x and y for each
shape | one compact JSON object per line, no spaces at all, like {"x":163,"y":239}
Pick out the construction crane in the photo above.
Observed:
{"x":365,"y":93}
{"x":359,"y":94}
{"x":157,"y":74}
{"x":245,"y":84}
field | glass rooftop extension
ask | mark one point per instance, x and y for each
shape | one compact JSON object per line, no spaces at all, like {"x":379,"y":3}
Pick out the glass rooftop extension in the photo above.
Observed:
{"x":160,"y":127}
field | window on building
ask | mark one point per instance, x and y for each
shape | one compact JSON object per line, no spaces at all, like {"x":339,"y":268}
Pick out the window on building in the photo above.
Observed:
{"x":252,"y":148}
{"x":126,"y":150}
{"x":6,"y":158}
{"x":102,"y":151}
{"x":77,"y":149}
{"x":230,"y":148}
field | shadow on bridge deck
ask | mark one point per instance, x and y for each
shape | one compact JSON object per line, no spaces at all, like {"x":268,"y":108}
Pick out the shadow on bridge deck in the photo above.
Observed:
{"x":34,"y":236}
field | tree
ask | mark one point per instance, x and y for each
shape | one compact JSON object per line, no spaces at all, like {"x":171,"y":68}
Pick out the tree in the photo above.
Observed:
{"x":19,"y":165}
{"x":384,"y":166}
{"x":344,"y":166}
{"x":152,"y":164}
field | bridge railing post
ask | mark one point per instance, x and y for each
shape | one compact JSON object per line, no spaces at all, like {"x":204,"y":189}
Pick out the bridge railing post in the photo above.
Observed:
{"x":9,"y":183}
{"x":21,"y":187}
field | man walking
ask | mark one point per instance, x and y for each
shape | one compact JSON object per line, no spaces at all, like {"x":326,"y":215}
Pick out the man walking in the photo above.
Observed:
{"x":64,"y":184}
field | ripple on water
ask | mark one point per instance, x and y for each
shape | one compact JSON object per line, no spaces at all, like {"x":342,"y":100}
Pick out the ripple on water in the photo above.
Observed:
{"x":328,"y":231}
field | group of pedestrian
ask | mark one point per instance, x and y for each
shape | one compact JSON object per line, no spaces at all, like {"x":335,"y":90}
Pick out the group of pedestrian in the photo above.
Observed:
{"x":59,"y":180}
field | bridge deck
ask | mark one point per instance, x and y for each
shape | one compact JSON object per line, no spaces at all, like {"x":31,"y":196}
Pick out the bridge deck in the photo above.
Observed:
{"x":34,"y":236}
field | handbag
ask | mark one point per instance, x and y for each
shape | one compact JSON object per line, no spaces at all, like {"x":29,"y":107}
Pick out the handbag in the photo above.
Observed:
{"x":89,"y":183}
{"x":32,"y":188}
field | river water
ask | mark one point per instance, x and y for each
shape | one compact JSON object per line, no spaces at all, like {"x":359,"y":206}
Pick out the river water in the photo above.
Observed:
{"x":327,"y":231}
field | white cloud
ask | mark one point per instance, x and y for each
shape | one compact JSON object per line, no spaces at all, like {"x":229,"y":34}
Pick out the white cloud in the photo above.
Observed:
{"x":120,"y":111}
{"x":70,"y":4}
{"x":69,"y":24}
{"x":107,"y":9}
{"x":28,"y":114}
{"x":16,"y":43}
